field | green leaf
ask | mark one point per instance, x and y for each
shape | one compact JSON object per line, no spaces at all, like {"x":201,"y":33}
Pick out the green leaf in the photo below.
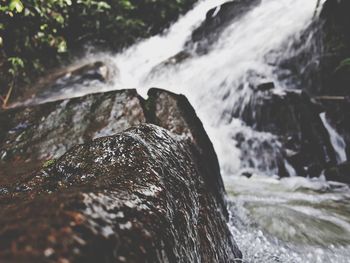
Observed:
{"x":16,"y":62}
{"x":127,"y":5}
{"x":44,"y":27}
{"x":62,"y":46}
{"x":103,"y":5}
{"x":59,"y":18}
{"x":16,"y":5}
{"x":68,"y":2}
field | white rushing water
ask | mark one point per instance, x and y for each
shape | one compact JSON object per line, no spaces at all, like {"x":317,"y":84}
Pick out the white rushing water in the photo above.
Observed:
{"x":216,"y":83}
{"x":289,"y":220}
{"x":337,"y":141}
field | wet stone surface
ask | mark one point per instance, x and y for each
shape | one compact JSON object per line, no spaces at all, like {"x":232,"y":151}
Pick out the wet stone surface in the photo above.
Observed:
{"x":31,"y":136}
{"x":142,"y":195}
{"x":138,"y":196}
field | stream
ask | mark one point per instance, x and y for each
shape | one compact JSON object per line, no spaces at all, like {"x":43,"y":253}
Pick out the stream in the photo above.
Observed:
{"x":293,"y":219}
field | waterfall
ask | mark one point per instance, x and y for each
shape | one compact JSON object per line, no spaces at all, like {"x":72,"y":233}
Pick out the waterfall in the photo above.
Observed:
{"x":218,"y":82}
{"x":337,"y":141}
{"x":289,"y":220}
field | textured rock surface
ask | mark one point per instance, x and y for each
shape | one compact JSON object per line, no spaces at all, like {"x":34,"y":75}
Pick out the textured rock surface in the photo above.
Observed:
{"x":144,"y":195}
{"x":138,"y":196}
{"x":32,"y":135}
{"x":176,"y":114}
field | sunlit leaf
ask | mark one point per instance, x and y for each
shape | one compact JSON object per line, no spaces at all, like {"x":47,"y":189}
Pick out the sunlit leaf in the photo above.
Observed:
{"x":62,"y":47}
{"x":16,"y":5}
{"x":103,"y":5}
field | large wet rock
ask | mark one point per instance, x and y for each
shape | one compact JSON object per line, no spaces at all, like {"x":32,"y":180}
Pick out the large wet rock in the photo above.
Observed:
{"x":144,"y":195}
{"x":138,"y":196}
{"x":175,"y":113}
{"x":31,"y":136}
{"x":295,"y":119}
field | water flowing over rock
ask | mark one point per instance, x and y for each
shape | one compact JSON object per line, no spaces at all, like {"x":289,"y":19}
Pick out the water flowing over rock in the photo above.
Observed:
{"x":316,"y":64}
{"x":263,"y":77}
{"x":217,"y":19}
{"x":142,"y":195}
{"x":295,"y":119}
{"x":317,"y":59}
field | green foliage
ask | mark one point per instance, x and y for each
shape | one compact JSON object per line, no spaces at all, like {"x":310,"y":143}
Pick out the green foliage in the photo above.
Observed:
{"x":16,"y":65}
{"x":40,"y":34}
{"x":16,"y":5}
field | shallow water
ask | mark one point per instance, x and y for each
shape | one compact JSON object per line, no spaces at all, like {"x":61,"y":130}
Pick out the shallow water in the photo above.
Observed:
{"x":290,"y":220}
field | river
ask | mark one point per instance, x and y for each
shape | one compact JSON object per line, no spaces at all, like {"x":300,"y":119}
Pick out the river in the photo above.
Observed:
{"x":273,"y":220}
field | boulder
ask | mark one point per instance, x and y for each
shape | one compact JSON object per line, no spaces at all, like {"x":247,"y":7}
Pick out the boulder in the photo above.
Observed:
{"x":31,"y":136}
{"x":175,"y":113}
{"x":148,"y":194}
{"x":137,"y":196}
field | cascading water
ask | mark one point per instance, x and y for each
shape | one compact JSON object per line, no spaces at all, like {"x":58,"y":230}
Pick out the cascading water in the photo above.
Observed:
{"x":337,"y":141}
{"x":289,"y":220}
